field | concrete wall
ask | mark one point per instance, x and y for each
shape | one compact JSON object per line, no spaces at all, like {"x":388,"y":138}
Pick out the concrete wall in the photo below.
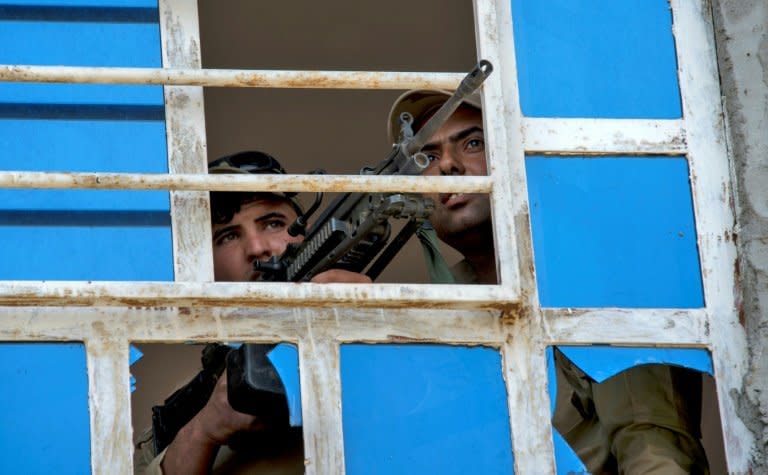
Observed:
{"x":741,"y":28}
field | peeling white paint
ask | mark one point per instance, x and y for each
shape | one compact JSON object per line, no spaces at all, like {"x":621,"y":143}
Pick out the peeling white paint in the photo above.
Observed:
{"x":712,"y":197}
{"x":174,"y":325}
{"x":185,"y":135}
{"x":225,"y":182}
{"x":627,"y":327}
{"x":321,"y":402}
{"x":182,"y":76}
{"x":109,"y":399}
{"x":523,"y":359}
{"x":603,"y":136}
{"x":264,"y":294}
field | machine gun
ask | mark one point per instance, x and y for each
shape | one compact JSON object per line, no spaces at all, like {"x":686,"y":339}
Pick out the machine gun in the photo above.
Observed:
{"x":350,"y":233}
{"x":355,"y":227}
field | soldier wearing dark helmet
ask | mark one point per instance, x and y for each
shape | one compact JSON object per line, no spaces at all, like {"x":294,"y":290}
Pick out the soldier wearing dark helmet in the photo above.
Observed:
{"x":247,"y":227}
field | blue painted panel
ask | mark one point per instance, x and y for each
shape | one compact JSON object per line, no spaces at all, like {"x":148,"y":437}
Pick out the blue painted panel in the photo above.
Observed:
{"x":84,"y":3}
{"x":85,"y":253}
{"x":83,"y":235}
{"x":614,"y":232}
{"x":414,"y":409}
{"x":80,"y":44}
{"x":596,"y":58}
{"x":135,"y":355}
{"x":285,"y":358}
{"x":33,"y":93}
{"x":44,"y":424}
{"x":83,"y":146}
{"x":95,"y":202}
{"x":602,"y":362}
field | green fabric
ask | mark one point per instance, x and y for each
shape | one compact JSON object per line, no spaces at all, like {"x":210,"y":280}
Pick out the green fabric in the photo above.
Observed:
{"x":439,"y":271}
{"x":645,"y":420}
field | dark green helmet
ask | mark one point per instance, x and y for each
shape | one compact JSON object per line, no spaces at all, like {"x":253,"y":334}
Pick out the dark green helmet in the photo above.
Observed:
{"x":225,"y":204}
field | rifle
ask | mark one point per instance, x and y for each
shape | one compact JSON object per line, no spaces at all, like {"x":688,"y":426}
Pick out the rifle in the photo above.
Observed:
{"x":352,"y":231}
{"x":355,"y":227}
{"x":259,"y":391}
{"x":183,"y":404}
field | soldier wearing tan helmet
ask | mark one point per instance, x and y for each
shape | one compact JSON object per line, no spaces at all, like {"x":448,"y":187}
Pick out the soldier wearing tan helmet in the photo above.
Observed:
{"x":644,"y":420}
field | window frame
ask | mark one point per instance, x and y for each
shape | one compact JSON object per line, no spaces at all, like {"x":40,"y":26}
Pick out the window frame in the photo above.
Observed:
{"x":108,"y":316}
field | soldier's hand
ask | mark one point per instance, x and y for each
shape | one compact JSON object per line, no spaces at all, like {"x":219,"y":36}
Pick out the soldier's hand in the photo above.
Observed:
{"x":341,"y":276}
{"x":218,"y":421}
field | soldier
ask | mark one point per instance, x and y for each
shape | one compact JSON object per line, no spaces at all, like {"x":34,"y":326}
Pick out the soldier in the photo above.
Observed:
{"x":247,"y":227}
{"x":643,"y":420}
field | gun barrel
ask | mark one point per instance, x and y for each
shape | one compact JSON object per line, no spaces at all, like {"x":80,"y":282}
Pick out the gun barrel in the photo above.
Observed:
{"x":415,"y":164}
{"x":468,"y":85}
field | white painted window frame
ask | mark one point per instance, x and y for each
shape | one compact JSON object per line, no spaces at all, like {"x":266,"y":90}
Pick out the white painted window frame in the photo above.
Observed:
{"x":107,"y":316}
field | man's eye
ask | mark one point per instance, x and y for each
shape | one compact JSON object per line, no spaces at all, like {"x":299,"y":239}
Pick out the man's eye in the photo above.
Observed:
{"x":475,"y":144}
{"x":432,"y":157}
{"x":225,"y":238}
{"x":275,"y":224}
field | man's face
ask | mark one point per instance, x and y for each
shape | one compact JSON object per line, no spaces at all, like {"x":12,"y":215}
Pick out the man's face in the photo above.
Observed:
{"x":257,"y":232}
{"x":458,"y":148}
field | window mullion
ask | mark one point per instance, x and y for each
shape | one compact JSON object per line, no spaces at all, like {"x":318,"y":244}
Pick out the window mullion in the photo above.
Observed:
{"x":109,"y":400}
{"x":319,"y":373}
{"x":504,"y":141}
{"x":523,"y":351}
{"x":525,"y":374}
{"x":712,"y":194}
{"x":185,"y":132}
